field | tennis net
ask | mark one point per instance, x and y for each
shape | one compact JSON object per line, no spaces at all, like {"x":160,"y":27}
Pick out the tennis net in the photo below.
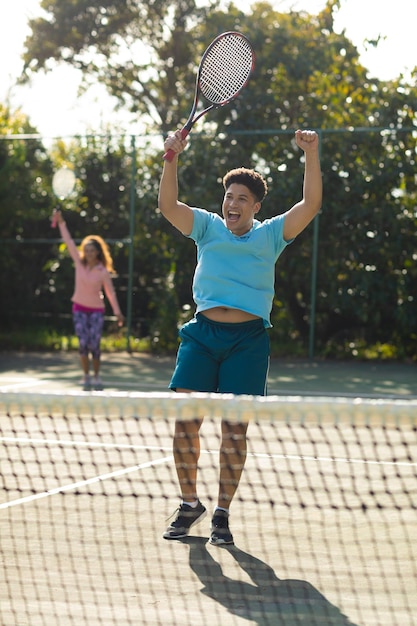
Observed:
{"x":324,"y":517}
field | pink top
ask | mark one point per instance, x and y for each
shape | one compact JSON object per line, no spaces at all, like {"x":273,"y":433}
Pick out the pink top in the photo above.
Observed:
{"x":90,"y":282}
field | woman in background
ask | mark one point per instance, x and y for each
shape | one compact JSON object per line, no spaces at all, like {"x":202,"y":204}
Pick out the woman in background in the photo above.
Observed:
{"x":93,"y":270}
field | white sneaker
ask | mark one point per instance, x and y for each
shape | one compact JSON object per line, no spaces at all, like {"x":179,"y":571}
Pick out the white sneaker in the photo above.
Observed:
{"x":85,"y":382}
{"x":97,"y":383}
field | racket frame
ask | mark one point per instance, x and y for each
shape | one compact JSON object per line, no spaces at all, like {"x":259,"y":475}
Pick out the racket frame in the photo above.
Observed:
{"x":63,"y":183}
{"x":192,"y":118}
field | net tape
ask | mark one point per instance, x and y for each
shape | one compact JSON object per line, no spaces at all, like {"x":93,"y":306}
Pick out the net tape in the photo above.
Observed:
{"x":227,"y":406}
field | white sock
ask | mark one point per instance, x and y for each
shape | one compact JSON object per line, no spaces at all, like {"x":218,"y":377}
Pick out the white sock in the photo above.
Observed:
{"x":220,"y":508}
{"x":193,"y":504}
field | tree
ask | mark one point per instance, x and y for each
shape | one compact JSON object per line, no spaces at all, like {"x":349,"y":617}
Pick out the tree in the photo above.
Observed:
{"x":24,"y":209}
{"x":306,"y":76}
{"x":141,"y":51}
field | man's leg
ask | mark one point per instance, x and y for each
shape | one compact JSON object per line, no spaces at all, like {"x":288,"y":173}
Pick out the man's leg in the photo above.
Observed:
{"x":186,"y":448}
{"x":232,"y":460}
{"x":244,"y":371}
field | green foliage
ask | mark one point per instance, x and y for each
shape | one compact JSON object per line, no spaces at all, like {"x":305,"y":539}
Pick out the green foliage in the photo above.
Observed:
{"x":46,"y":337}
{"x":306,"y":76}
{"x":141,"y":51}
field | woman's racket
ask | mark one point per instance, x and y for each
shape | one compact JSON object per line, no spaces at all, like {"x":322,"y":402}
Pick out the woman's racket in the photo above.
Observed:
{"x":63,"y":182}
{"x":224,"y":70}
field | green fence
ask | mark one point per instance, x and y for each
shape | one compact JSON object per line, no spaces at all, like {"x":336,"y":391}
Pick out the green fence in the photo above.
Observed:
{"x":349,"y":157}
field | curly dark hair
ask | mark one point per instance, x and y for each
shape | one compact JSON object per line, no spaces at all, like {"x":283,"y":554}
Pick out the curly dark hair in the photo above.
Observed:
{"x":251,"y":179}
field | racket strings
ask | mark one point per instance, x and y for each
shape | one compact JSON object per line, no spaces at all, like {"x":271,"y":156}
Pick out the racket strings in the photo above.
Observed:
{"x":226,"y":69}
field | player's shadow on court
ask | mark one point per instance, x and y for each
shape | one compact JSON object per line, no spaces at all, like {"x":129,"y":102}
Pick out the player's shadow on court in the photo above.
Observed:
{"x":266,"y":600}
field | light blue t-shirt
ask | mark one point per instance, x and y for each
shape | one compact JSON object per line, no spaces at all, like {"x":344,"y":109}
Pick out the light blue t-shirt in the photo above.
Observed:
{"x":236,"y":272}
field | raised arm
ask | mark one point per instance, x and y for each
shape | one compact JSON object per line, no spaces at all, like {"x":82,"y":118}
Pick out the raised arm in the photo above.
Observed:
{"x":302,"y":213}
{"x":179,"y":214}
{"x":65,"y":234}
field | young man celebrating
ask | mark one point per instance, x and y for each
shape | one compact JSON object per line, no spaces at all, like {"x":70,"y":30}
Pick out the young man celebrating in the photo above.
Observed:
{"x":225,"y":347}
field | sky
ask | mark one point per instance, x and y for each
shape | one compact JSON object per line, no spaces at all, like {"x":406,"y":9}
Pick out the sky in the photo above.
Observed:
{"x":54,"y":108}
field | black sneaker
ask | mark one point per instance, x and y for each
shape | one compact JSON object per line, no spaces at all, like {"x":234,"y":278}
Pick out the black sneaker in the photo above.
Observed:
{"x":220,"y":533}
{"x":187,"y":517}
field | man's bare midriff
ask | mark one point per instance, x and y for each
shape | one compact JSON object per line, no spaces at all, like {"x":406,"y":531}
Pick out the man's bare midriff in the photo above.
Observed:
{"x":231,"y":316}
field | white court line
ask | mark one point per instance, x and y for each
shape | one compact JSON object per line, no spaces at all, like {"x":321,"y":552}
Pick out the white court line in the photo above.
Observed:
{"x":329,"y":459}
{"x":87,"y":444}
{"x":34,"y":382}
{"x":261,"y":455}
{"x":82,"y":483}
{"x":108,"y":385}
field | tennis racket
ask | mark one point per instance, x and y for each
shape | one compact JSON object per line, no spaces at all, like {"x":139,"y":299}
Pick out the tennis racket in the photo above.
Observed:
{"x":224,"y":71}
{"x":63,"y":182}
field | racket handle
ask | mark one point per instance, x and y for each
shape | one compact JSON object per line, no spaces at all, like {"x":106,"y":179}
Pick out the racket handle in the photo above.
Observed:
{"x":54,"y":221}
{"x":169,"y":154}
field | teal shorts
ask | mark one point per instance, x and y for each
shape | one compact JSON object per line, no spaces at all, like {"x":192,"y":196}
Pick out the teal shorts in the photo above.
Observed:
{"x":224,"y":358}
